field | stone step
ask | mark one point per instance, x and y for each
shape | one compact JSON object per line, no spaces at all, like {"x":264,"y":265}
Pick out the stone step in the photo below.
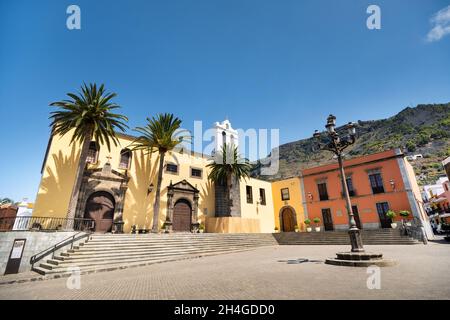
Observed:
{"x":149,"y":251}
{"x":150,"y":240}
{"x":347,"y":243}
{"x":54,"y":264}
{"x":61,"y":272}
{"x":131,"y":247}
{"x":108,"y":243}
{"x":182,"y":235}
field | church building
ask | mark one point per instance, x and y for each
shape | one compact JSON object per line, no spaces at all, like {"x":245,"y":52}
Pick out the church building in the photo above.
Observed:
{"x":118,"y":189}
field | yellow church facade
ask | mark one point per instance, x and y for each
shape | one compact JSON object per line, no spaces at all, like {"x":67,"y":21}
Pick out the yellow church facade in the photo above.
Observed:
{"x":119,"y":189}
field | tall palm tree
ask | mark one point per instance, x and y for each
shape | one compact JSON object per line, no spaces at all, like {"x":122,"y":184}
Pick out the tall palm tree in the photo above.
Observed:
{"x":228,"y":164}
{"x":90,"y":115}
{"x":161,"y":134}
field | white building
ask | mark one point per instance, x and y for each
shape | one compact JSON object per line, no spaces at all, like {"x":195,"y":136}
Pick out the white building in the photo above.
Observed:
{"x":434,"y":189}
{"x":24,"y":212}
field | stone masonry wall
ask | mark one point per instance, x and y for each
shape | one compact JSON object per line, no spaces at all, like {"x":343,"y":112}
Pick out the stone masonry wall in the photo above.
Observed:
{"x":36,"y":242}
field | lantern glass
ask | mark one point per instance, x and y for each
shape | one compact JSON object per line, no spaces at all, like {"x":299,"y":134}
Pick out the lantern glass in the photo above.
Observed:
{"x":331,"y":120}
{"x":330,"y":127}
{"x":351,"y":128}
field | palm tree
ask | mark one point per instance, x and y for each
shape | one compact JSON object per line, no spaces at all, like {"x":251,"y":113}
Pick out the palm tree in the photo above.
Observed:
{"x":161,"y":134}
{"x":228,"y":164}
{"x":90,"y":115}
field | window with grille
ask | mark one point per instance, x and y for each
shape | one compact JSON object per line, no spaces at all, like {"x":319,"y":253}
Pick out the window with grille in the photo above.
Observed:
{"x":196,"y":173}
{"x":172,"y":168}
{"x":376,"y":182}
{"x":125,"y":159}
{"x":262,"y":196}
{"x":285,"y":194}
{"x":249,"y":192}
{"x":323,"y":192}
{"x":351,"y":190}
{"x":92,"y":153}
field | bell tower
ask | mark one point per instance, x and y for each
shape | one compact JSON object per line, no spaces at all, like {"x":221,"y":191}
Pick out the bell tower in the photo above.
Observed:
{"x":224,"y":133}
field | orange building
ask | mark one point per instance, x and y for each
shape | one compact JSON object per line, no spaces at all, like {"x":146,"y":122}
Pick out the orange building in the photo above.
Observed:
{"x":377,"y":183}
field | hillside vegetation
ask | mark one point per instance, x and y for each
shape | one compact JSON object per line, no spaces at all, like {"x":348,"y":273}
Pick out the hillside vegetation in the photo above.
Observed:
{"x":424,"y":130}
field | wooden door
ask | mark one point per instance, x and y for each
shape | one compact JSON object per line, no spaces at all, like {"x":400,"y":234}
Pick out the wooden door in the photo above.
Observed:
{"x":100,"y":208}
{"x":182,"y":217}
{"x":382,"y":209}
{"x":327,"y":220}
{"x":288,"y":220}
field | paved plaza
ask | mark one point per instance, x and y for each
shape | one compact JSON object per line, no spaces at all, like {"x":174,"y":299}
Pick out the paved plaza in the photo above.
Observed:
{"x":422,"y":272}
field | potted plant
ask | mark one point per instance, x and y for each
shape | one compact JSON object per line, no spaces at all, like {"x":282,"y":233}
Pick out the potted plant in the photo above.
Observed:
{"x":405,"y":214}
{"x":317,"y":221}
{"x":296,"y":228}
{"x":36,"y":226}
{"x":308,"y":225}
{"x":133,"y":229}
{"x":276,"y":229}
{"x":201,"y":228}
{"x":391,"y":215}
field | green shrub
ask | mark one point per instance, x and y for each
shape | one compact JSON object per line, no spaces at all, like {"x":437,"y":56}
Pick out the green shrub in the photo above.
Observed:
{"x":411,"y":146}
{"x":307,"y":222}
{"x":404,"y":213}
{"x":316,"y":220}
{"x":422,"y":139}
{"x":391,"y":214}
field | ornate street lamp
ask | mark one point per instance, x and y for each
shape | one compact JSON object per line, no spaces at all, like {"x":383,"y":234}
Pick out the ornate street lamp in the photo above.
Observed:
{"x":337,"y":144}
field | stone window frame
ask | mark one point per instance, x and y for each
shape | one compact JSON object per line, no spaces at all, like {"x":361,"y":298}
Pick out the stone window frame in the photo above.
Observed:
{"x":171,"y":172}
{"x":196,"y":168}
{"x":97,"y":152}
{"x":130,"y":158}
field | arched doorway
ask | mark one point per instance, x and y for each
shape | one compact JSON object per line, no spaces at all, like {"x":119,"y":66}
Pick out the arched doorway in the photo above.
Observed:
{"x":100,"y":208}
{"x":182,"y":212}
{"x":288,"y":220}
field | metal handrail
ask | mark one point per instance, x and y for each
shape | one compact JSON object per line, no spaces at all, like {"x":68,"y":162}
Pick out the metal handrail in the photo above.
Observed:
{"x":44,"y":223}
{"x":69,"y":241}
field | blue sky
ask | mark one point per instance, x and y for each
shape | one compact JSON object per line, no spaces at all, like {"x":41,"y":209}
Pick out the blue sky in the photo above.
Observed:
{"x":263,"y":63}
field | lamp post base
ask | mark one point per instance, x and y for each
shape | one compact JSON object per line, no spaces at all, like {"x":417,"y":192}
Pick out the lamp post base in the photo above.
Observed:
{"x":356,"y":240}
{"x":360,"y":259}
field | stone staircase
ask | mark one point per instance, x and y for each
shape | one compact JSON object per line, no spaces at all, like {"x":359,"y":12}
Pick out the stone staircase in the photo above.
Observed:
{"x":369,"y":237}
{"x":104,"y":252}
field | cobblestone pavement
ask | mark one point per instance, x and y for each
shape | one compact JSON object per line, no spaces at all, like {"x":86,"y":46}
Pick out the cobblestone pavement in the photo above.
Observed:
{"x":422,"y":273}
